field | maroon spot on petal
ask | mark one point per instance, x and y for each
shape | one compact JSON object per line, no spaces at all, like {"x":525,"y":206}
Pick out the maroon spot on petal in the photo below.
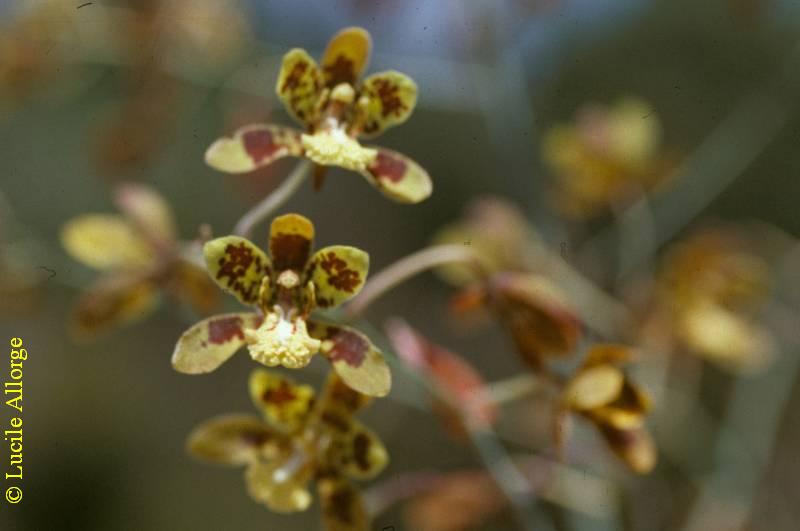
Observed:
{"x":348,"y":347}
{"x":279,"y":395}
{"x":391,"y":103}
{"x":292,"y":81}
{"x":260,"y":144}
{"x":289,"y":251}
{"x":234,"y":265}
{"x":341,"y":70}
{"x":335,"y":421}
{"x":339,"y":275}
{"x":388,"y":167}
{"x":255,"y":437}
{"x":340,"y":506}
{"x":225,"y":329}
{"x":361,"y":444}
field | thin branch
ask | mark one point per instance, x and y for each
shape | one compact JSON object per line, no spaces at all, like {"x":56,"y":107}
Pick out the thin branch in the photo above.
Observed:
{"x":406,"y":268}
{"x":275,"y":200}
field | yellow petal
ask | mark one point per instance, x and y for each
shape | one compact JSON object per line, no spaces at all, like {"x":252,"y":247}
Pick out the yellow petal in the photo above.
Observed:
{"x":105,"y":241}
{"x":340,"y":396}
{"x":389,"y":100}
{"x":354,"y":358}
{"x":278,"y":487}
{"x":284,"y":403}
{"x":346,"y":56}
{"x":634,"y":132}
{"x":299,"y":86}
{"x":360,"y":453}
{"x":607,"y":354}
{"x":338,"y":273}
{"x":398,"y":177}
{"x":147,"y":211}
{"x":342,"y":505}
{"x":113,"y":300}
{"x":635,"y":447}
{"x":291,"y":238}
{"x":594,"y":387}
{"x":238,"y":266}
{"x":726,"y":338}
{"x":627,"y":411}
{"x":209,"y":343}
{"x":230,"y":439}
{"x":252,"y":147}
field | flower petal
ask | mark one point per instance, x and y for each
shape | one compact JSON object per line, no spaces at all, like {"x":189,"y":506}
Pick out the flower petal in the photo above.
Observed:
{"x":238,"y":266}
{"x":346,"y":56}
{"x":191,"y":285}
{"x":361,"y":454}
{"x":457,"y":380}
{"x":355,"y":359}
{"x":209,"y":343}
{"x":269,"y":483}
{"x":342,"y":506}
{"x":594,"y":387}
{"x":299,"y":86}
{"x":147,"y":211}
{"x":390,"y":98}
{"x":398,"y":177}
{"x":291,"y":237}
{"x":635,"y":447}
{"x":538,"y":316}
{"x":230,"y":439}
{"x":105,"y":241}
{"x":112,"y":300}
{"x":284,"y":403}
{"x":340,"y":396}
{"x":627,"y":411}
{"x":252,"y":147}
{"x":338,"y":273}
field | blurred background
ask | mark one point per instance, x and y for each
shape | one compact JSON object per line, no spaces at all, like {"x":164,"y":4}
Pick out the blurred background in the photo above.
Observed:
{"x":96,"y":93}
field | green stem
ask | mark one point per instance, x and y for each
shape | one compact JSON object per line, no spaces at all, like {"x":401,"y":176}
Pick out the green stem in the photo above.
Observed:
{"x":273,"y":201}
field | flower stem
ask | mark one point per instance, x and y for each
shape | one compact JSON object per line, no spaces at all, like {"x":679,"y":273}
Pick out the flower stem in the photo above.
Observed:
{"x":273,"y":201}
{"x":406,"y":268}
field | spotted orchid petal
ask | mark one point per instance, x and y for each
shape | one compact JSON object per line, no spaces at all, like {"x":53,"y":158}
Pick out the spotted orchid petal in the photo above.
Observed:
{"x":299,"y":86}
{"x":342,"y":506}
{"x":354,"y":358}
{"x":147,"y":210}
{"x":338,"y":273}
{"x":346,"y":56}
{"x":291,"y":238}
{"x":105,"y":241}
{"x":113,"y":300}
{"x":360,"y":454}
{"x":209,"y":343}
{"x":252,"y":147}
{"x":284,"y":403}
{"x":398,"y":177}
{"x":237,"y":266}
{"x":230,"y":439}
{"x":389,"y":99}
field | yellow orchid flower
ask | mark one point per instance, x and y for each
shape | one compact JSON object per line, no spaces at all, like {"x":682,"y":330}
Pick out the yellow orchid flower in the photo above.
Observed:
{"x":286,"y":287}
{"x":335,"y":107}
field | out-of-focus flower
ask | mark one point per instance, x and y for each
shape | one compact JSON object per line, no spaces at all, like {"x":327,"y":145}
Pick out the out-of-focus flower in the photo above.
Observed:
{"x":601,"y":392}
{"x":28,"y":36}
{"x":459,"y":385}
{"x":532,"y":308}
{"x":335,"y":107}
{"x":608,"y":156}
{"x":140,"y":257}
{"x":285,"y":287}
{"x":299,"y":441}
{"x":709,"y":292}
{"x":460,"y":501}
